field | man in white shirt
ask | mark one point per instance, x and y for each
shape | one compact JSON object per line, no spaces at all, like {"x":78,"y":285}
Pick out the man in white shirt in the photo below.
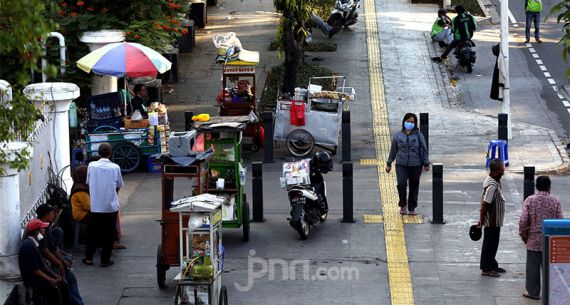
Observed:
{"x":104,"y":180}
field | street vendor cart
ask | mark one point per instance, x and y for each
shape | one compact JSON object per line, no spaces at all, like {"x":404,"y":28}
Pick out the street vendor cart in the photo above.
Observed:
{"x":191,"y":176}
{"x":237,"y":96}
{"x":314,"y":116}
{"x":200,"y":250}
{"x":226,"y":173}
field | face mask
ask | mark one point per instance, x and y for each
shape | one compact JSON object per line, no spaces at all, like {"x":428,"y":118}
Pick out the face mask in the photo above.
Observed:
{"x":409,"y":125}
{"x":40,"y":236}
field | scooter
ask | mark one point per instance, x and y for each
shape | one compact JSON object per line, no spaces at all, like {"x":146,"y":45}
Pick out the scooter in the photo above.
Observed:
{"x":465,"y":55}
{"x":308,"y":200}
{"x":344,"y":14}
{"x":307,"y":209}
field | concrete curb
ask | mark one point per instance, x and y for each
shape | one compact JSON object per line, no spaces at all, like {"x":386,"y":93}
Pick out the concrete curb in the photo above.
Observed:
{"x":490,"y":11}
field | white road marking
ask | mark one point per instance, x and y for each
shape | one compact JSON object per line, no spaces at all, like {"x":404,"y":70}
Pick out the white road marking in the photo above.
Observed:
{"x":560,"y":96}
{"x":539,"y":61}
{"x":535,"y":55}
{"x":568,"y":110}
{"x":551,"y":81}
{"x":532,"y":50}
{"x":566,"y":104}
{"x":555,"y":88}
{"x":528,"y":45}
{"x":547,"y":74}
{"x":543,"y":68}
{"x":512,"y":18}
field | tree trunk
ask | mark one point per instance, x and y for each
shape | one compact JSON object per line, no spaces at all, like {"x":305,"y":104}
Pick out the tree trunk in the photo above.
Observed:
{"x":294,"y":56}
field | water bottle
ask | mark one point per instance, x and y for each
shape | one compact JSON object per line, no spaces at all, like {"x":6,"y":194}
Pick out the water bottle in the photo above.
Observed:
{"x":73,"y":115}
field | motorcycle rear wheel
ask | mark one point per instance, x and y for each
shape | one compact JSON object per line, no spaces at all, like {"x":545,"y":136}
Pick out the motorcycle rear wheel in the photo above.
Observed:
{"x":303,"y":228}
{"x":469,"y":67}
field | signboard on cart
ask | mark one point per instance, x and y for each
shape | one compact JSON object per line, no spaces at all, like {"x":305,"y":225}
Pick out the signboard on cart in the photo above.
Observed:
{"x":556,"y":272}
{"x":228,"y":69}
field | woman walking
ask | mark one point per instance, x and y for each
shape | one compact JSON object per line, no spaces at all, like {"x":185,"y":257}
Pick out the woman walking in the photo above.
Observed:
{"x":409,"y":149}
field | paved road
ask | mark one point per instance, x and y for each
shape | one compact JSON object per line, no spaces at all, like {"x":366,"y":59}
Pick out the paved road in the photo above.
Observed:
{"x":544,"y":60}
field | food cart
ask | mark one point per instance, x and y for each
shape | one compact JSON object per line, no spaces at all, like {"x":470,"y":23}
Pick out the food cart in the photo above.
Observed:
{"x":130,"y":140}
{"x":237,"y":96}
{"x":191,"y":174}
{"x":200,"y":250}
{"x":226,"y":174}
{"x":313,"y":116}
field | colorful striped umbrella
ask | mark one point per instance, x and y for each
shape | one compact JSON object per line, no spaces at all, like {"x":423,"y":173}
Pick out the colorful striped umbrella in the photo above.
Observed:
{"x":124,"y":58}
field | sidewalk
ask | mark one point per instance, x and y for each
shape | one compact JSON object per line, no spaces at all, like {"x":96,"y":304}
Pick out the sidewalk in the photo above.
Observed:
{"x":443,"y":261}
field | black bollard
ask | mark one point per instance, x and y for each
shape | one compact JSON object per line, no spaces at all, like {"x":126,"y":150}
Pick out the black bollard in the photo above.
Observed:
{"x":268,"y":141}
{"x":188,"y":120}
{"x":424,"y":127}
{"x":503,"y":128}
{"x":346,"y":157}
{"x":437,"y":193}
{"x":257,"y":191}
{"x":528,"y":181}
{"x":347,"y":193}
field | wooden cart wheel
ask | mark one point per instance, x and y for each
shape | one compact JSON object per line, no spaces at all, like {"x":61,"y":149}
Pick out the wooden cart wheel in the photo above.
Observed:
{"x":127,"y":156}
{"x":223,"y":296}
{"x":245,"y":219}
{"x":160,"y":269}
{"x":300,"y":143}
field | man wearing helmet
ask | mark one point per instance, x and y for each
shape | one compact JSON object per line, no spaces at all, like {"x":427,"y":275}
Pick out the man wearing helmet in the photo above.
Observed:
{"x":321,"y":163}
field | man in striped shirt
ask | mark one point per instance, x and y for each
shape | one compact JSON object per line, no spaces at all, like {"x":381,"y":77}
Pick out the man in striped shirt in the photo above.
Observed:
{"x":104,"y":180}
{"x":491,"y":217}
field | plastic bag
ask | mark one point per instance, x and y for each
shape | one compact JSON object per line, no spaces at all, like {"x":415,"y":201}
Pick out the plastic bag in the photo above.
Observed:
{"x":136,"y":116}
{"x":253,"y":117}
{"x":226,"y":40}
{"x":297,"y":113}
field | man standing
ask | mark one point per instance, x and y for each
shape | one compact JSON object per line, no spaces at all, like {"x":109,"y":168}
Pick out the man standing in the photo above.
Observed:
{"x":105,"y":180}
{"x":491,"y":217}
{"x":47,"y":285}
{"x":535,"y":208}
{"x":441,"y":29}
{"x":532,"y":10}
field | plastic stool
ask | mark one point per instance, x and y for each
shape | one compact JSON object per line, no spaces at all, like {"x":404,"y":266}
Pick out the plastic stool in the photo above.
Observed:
{"x":503,"y":151}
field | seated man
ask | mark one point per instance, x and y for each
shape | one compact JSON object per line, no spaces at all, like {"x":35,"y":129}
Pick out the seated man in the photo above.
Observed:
{"x":441,"y":29}
{"x":60,"y":262}
{"x":47,"y":285}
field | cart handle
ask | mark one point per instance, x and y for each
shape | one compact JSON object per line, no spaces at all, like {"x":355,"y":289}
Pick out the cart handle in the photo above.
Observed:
{"x":112,"y":128}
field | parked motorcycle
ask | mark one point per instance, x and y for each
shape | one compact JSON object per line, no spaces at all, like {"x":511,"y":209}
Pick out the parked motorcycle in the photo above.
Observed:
{"x":465,"y":55}
{"x":308,"y":201}
{"x":344,"y":14}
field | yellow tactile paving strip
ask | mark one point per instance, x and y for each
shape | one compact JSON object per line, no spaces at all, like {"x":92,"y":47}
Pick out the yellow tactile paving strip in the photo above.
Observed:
{"x":399,"y":276}
{"x":377,"y":218}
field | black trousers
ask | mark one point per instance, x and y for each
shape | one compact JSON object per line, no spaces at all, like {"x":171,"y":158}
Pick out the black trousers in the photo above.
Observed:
{"x":403,"y":175}
{"x":46,"y":294}
{"x":101,"y":232}
{"x":491,"y":237}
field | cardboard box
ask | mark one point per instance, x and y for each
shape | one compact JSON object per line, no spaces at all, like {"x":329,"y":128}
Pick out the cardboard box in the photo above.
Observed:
{"x":144,"y":123}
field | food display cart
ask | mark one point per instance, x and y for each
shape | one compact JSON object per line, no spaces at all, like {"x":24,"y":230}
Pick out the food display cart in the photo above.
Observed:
{"x":313,"y":116}
{"x":130,"y":140}
{"x":192,"y":174}
{"x":200,"y":250}
{"x":237,"y":96}
{"x":226,"y":174}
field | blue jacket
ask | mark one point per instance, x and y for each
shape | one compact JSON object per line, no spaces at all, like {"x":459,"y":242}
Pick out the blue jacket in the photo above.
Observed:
{"x":408,"y":150}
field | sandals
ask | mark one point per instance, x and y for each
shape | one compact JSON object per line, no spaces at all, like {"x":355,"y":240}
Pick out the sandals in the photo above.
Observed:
{"x":412,"y":213}
{"x":526,"y":295}
{"x":491,"y":273}
{"x":403,"y":211}
{"x":87,"y":262}
{"x":500,"y":270}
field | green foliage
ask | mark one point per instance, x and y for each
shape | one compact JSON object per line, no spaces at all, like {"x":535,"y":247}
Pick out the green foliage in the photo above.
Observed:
{"x":21,"y":31}
{"x":563,"y":11}
{"x":269,"y":96}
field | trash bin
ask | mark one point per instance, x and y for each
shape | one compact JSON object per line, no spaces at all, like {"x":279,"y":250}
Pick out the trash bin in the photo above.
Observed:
{"x":187,"y":42}
{"x":171,"y":76}
{"x":198,"y":13}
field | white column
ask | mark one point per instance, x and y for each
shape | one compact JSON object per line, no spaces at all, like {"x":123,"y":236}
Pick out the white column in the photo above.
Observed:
{"x":58,"y":96}
{"x":10,"y":214}
{"x":504,"y":68}
{"x":95,"y":40}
